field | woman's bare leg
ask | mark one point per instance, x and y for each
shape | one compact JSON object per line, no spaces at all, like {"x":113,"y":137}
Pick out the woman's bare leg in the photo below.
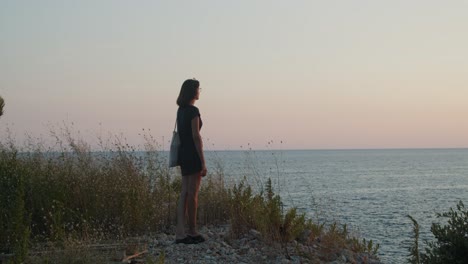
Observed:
{"x":181,"y":208}
{"x":192,"y":202}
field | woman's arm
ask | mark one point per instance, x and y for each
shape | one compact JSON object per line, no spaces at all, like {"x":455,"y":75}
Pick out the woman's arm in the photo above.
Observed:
{"x":198,"y":142}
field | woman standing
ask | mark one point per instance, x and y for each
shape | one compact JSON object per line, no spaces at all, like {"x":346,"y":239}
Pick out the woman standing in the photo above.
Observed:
{"x":2,"y":104}
{"x":191,"y":160}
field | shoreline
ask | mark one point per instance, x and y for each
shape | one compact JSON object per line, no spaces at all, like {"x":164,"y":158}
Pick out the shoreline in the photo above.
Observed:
{"x":220,"y":247}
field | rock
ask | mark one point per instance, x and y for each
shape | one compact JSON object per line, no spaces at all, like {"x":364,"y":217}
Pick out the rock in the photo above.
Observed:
{"x":362,"y":259}
{"x":348,"y":254}
{"x":225,"y":244}
{"x":215,"y":245}
{"x":255,"y":233}
{"x":304,"y":236}
{"x":249,"y":248}
{"x":343,"y":258}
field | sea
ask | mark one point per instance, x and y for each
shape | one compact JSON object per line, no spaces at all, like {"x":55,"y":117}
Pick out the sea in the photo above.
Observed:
{"x":371,"y":191}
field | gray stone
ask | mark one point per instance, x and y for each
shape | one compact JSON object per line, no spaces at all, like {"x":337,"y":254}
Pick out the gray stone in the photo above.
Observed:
{"x":304,"y":236}
{"x":225,"y":244}
{"x":255,"y":233}
{"x":343,"y":258}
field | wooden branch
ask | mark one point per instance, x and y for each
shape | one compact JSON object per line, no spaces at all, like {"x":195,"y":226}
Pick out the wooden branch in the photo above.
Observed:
{"x":127,"y":258}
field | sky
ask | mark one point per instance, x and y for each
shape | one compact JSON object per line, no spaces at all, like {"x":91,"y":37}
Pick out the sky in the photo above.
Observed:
{"x":274,"y":74}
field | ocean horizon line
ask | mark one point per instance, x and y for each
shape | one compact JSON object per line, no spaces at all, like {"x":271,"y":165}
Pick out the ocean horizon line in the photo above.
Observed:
{"x":286,"y":149}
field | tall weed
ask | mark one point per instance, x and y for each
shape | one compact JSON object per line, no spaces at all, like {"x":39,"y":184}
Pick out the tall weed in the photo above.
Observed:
{"x":67,"y":191}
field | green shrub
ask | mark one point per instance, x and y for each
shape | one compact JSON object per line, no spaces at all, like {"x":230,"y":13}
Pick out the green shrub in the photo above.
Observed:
{"x":451,"y":240}
{"x":14,"y":219}
{"x":364,"y":246}
{"x":213,"y":201}
{"x":264,"y":212}
{"x":451,"y":245}
{"x":414,"y":257}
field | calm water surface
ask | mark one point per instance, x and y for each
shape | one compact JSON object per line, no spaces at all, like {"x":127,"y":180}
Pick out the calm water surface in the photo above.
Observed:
{"x":370,"y":190}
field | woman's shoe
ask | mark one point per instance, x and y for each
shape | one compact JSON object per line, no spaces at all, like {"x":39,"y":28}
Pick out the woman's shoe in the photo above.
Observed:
{"x":197,"y":238}
{"x":186,"y":240}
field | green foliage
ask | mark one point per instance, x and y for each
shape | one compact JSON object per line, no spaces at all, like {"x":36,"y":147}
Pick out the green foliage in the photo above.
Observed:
{"x":316,"y":229}
{"x":272,"y":208}
{"x":161,"y":259}
{"x":243,"y":205}
{"x":414,"y":257}
{"x":15,"y":220}
{"x":263,"y":212}
{"x":451,"y":245}
{"x":364,"y":246}
{"x":293,"y":225}
{"x":20,"y":230}
{"x":215,"y":201}
{"x":451,"y":240}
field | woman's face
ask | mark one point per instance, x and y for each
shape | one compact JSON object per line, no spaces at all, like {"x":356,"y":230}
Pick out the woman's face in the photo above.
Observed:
{"x":198,"y":93}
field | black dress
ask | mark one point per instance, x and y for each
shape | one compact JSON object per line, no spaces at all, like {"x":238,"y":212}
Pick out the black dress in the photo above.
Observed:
{"x":189,"y":160}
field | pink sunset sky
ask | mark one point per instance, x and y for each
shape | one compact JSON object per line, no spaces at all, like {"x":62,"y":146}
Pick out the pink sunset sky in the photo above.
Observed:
{"x":312,"y":74}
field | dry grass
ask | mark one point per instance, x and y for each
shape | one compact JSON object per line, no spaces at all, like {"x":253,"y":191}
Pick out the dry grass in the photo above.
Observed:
{"x":69,"y":193}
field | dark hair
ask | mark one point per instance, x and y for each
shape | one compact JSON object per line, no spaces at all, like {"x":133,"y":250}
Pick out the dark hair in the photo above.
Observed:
{"x":188,"y":91}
